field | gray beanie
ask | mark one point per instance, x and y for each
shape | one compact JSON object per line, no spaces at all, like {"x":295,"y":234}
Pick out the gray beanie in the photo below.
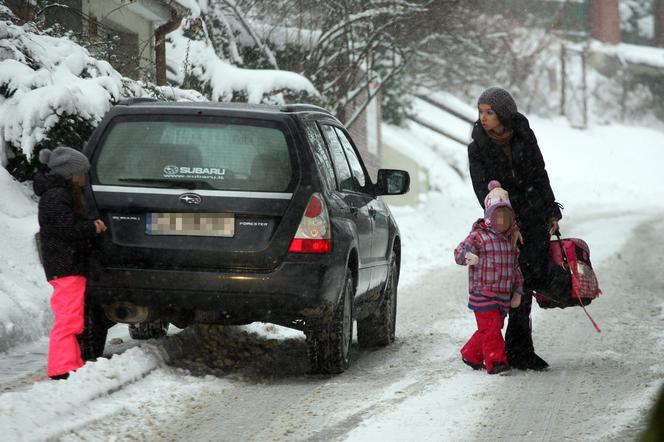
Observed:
{"x":500,"y":101}
{"x":64,"y":161}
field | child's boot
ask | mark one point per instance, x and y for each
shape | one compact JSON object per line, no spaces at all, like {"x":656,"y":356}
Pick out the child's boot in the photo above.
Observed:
{"x":498,"y":367}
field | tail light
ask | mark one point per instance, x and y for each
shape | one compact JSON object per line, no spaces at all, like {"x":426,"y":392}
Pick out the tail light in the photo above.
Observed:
{"x":313,"y":234}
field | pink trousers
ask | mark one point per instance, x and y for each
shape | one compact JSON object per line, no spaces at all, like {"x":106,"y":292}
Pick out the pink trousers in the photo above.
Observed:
{"x":486,"y":345}
{"x":64,"y":353}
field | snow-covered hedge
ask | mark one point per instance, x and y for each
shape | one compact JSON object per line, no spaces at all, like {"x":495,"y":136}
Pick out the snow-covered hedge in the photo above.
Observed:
{"x":193,"y":61}
{"x":52,"y":91}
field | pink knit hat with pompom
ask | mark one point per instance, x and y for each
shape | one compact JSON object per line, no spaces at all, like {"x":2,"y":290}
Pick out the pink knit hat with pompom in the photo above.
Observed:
{"x":497,"y":197}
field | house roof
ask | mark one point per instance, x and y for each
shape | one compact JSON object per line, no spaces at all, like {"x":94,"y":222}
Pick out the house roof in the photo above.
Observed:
{"x":159,"y":11}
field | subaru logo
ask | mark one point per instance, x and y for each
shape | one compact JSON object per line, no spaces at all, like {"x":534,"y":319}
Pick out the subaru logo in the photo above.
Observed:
{"x":171,"y":170}
{"x":190,"y":198}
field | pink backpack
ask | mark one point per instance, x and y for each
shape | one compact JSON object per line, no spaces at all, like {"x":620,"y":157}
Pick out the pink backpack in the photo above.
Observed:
{"x":572,"y":280}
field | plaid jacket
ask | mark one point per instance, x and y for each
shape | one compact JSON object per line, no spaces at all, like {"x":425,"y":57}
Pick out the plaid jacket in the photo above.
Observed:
{"x":497,"y":275}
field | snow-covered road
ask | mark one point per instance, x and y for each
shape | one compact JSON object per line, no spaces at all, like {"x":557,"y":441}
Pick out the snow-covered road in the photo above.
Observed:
{"x":598,"y":386}
{"x":250,"y":384}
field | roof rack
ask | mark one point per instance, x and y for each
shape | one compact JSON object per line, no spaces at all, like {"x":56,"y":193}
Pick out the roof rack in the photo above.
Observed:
{"x":136,"y":100}
{"x":300,"y":107}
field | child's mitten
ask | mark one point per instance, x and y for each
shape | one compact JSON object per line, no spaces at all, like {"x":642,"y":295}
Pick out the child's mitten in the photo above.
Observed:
{"x":471,"y":259}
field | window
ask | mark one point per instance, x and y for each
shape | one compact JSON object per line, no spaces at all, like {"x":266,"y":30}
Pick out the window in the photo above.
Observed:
{"x":354,"y":162}
{"x":213,"y":154}
{"x":321,"y":155}
{"x":339,"y":159}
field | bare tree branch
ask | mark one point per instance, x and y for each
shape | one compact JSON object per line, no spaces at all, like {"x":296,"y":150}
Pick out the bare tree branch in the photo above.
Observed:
{"x":264,"y":48}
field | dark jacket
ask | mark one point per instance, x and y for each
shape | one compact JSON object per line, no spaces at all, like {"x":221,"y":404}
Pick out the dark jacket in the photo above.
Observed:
{"x":525,"y":177}
{"x":64,"y":237}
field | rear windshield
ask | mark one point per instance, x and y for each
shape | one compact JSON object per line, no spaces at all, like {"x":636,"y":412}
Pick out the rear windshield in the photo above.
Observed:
{"x":195,"y":153}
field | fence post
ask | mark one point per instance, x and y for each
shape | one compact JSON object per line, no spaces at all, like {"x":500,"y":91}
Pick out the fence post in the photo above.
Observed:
{"x":563,"y":75}
{"x":584,"y":88}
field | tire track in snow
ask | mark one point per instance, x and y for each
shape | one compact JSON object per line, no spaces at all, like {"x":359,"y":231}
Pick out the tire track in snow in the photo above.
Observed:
{"x":292,"y":406}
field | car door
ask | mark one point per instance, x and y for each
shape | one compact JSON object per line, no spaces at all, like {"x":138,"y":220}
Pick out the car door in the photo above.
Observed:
{"x":377,"y":210}
{"x":356,"y":201}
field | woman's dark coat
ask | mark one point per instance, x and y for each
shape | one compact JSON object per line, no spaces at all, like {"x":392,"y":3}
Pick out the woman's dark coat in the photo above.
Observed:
{"x":527,"y":182}
{"x":64,"y":237}
{"x":525,"y":178}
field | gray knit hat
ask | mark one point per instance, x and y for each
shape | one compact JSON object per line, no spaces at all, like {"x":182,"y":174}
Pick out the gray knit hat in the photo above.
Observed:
{"x":500,"y":101}
{"x":64,"y":161}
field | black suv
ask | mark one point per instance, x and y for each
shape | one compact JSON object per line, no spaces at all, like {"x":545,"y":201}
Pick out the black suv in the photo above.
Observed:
{"x":234,"y":213}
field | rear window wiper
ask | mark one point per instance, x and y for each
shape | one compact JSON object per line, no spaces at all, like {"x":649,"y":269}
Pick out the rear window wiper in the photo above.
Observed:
{"x":187,"y":184}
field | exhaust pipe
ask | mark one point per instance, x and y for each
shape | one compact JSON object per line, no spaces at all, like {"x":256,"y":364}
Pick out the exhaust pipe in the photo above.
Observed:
{"x":126,"y":312}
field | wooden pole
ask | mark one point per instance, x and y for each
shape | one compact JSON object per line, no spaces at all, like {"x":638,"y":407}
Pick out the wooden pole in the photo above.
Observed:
{"x":563,"y":75}
{"x":584,"y":86}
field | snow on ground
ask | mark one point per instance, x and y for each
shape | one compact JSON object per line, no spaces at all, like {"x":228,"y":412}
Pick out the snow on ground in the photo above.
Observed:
{"x":599,"y":174}
{"x":24,"y":293}
{"x":438,"y":411}
{"x":36,"y":413}
{"x":455,"y":126}
{"x":630,"y":53}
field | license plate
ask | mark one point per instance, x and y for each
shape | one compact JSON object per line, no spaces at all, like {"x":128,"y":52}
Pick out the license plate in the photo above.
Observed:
{"x":190,"y":224}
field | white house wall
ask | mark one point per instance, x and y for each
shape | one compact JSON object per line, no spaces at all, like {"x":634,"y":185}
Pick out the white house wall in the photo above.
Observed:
{"x":117,"y":14}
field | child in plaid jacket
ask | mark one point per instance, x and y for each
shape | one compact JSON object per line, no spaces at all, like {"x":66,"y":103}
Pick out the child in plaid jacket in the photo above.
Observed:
{"x":495,"y":281}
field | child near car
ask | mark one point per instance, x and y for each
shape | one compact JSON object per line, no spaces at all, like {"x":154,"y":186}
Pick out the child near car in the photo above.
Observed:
{"x":64,"y":237}
{"x":495,"y":281}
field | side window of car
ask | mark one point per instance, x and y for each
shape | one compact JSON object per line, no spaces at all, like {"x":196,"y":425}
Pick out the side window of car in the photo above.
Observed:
{"x":338,"y":158}
{"x":321,"y":155}
{"x":355,"y":165}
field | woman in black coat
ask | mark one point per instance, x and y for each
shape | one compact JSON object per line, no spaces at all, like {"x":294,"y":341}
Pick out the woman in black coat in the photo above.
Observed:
{"x":504,"y":148}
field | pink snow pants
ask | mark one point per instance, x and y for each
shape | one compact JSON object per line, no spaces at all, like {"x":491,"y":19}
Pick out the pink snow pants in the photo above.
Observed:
{"x":486,"y":345}
{"x":64,"y":354}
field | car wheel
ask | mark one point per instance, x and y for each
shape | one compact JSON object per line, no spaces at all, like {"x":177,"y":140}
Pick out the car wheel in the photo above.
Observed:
{"x":378,"y":329}
{"x":328,"y":346}
{"x":95,"y":328}
{"x":148,"y":330}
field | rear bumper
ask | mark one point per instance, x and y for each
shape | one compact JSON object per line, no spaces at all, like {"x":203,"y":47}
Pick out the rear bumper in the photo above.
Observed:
{"x":305,"y":288}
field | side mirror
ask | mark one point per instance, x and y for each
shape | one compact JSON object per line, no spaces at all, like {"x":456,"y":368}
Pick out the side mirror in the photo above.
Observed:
{"x":392,"y":182}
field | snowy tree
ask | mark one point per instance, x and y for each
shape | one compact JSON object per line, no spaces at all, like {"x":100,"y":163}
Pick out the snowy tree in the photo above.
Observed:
{"x":194,"y":63}
{"x":637,"y":21}
{"x":342,"y":47}
{"x":53,"y":92}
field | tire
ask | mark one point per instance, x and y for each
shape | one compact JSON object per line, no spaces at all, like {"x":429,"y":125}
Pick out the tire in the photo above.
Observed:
{"x":148,"y":330}
{"x":378,"y":329}
{"x":95,"y":328}
{"x":328,"y":346}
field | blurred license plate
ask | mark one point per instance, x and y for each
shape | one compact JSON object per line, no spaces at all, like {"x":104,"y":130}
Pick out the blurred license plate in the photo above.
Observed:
{"x":190,"y":224}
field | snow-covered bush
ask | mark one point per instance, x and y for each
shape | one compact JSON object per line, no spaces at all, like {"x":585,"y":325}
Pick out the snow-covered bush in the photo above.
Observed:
{"x":53,"y":92}
{"x":193,"y":62}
